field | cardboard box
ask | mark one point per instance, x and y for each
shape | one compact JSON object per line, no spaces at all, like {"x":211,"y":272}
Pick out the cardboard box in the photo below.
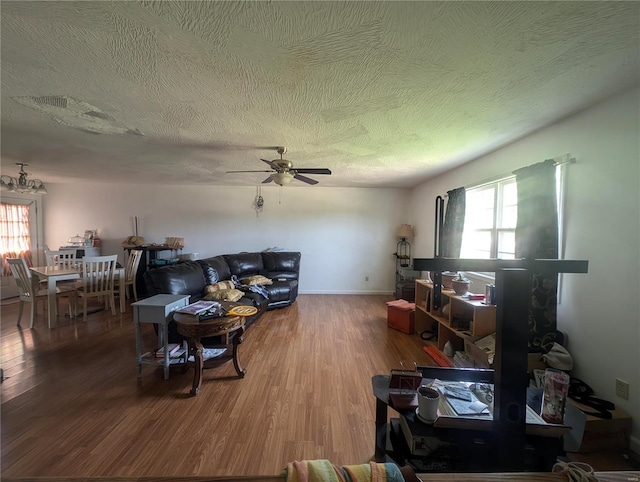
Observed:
{"x":535,"y":362}
{"x":590,"y":434}
{"x":479,"y":356}
{"x":402,"y":318}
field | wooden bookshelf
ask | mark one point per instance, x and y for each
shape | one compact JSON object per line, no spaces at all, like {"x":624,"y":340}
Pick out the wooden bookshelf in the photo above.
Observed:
{"x":458,"y":319}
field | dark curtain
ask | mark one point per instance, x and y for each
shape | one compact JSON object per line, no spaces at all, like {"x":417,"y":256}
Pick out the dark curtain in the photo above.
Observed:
{"x":536,"y":237}
{"x":453,"y":223}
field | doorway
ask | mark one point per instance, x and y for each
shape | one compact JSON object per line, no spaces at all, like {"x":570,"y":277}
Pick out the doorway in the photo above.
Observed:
{"x":28,"y":216}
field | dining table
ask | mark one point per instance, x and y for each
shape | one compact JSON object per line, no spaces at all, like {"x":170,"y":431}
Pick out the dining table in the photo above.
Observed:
{"x":53,"y":274}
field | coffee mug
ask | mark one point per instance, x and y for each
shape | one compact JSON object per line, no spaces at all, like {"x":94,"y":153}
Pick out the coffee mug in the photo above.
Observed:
{"x":428,"y":400}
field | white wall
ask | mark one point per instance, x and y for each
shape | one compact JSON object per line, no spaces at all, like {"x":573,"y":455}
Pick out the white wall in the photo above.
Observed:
{"x":344,"y":234}
{"x":599,"y":311}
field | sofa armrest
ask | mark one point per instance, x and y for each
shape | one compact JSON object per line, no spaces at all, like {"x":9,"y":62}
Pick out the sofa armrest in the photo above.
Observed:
{"x":180,"y":279}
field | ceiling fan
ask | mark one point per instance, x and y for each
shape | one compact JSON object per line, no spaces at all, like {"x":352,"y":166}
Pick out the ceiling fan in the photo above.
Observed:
{"x":285,"y":172}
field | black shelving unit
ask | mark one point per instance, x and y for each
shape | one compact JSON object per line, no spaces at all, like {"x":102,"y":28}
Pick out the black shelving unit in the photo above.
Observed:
{"x":513,"y":294}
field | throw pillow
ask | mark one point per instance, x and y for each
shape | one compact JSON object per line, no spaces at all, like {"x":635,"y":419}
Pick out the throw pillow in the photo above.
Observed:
{"x":220,"y":285}
{"x":224,"y":295}
{"x":256,"y":280}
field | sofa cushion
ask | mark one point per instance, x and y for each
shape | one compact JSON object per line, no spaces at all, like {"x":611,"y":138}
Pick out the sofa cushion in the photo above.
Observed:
{"x":281,"y":264}
{"x":220,"y":285}
{"x":244,"y":264}
{"x":224,"y":295}
{"x":215,"y":269}
{"x":256,"y":280}
{"x":254,"y":299}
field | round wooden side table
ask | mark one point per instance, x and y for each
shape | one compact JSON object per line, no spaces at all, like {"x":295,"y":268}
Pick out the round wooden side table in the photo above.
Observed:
{"x":191,"y":327}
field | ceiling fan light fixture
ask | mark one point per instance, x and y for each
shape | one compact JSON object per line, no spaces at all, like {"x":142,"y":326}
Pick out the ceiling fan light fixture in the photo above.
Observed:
{"x":282,"y":178}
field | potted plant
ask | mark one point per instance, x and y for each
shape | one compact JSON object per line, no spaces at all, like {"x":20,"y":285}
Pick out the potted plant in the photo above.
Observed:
{"x":447,"y":278}
{"x":460,"y":284}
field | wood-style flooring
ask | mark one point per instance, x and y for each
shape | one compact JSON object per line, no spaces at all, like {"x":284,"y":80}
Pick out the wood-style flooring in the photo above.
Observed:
{"x":72,"y":405}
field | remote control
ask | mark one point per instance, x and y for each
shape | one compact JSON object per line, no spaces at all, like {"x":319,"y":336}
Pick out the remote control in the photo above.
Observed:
{"x":214,"y":313}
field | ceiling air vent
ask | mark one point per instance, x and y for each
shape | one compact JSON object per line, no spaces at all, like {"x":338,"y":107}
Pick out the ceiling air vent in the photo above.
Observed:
{"x":52,"y":100}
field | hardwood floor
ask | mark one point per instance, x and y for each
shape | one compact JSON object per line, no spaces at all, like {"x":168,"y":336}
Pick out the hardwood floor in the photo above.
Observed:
{"x":72,"y":406}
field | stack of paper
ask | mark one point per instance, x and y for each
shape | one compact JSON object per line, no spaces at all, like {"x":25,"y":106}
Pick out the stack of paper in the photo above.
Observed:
{"x":460,"y":398}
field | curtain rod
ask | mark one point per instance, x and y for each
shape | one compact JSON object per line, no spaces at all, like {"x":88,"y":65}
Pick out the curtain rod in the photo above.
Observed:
{"x":566,"y":160}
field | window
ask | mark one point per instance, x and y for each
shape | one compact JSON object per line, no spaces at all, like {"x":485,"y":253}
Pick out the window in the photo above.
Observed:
{"x":490,"y":220}
{"x":491,"y":214}
{"x":15,"y":241}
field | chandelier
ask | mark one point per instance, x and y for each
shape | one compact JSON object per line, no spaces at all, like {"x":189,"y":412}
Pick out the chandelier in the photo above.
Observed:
{"x":21,"y":184}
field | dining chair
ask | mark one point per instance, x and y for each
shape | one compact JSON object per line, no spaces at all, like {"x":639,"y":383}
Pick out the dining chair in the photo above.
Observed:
{"x":64,"y":257}
{"x":98,"y":274}
{"x":32,"y":293}
{"x":131,"y":269}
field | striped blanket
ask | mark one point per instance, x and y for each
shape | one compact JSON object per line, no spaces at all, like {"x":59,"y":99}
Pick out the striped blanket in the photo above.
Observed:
{"x":325,"y":471}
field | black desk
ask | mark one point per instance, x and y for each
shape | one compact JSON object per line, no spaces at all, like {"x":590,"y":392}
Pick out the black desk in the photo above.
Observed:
{"x":474,"y":450}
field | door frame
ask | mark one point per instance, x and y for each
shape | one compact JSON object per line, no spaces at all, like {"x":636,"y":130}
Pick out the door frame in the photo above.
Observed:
{"x":8,"y":287}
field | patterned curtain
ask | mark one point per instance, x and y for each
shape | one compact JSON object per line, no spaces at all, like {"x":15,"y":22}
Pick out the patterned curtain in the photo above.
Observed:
{"x":537,"y":238}
{"x":453,"y":223}
{"x":15,"y":241}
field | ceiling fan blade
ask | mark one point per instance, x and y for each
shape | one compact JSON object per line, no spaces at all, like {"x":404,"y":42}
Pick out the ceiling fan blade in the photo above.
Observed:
{"x":273,"y":166}
{"x":267,"y":180}
{"x":231,"y":172}
{"x":305,"y":179}
{"x":312,"y":170}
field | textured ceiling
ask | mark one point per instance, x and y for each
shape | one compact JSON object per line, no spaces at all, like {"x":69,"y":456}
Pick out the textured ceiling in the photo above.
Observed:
{"x":382,"y":93}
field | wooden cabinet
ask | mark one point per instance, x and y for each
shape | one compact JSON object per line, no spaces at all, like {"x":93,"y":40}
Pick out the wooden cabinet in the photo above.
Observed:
{"x":457,"y":320}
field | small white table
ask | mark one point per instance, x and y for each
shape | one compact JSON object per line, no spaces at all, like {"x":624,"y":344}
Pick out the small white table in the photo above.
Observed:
{"x":158,"y":310}
{"x":53,"y":274}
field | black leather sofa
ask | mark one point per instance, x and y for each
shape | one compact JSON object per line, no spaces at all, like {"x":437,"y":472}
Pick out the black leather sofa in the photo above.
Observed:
{"x":191,"y":278}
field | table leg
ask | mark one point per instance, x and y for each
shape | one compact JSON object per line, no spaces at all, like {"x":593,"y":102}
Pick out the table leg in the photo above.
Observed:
{"x":381,"y":420}
{"x":237,"y":339}
{"x":121,"y":282}
{"x":136,"y":324}
{"x":165,"y":344}
{"x":51,"y":299}
{"x":197,"y":350}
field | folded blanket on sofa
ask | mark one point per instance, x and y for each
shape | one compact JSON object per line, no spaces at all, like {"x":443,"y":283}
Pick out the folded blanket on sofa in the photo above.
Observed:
{"x":325,"y":471}
{"x":254,"y":288}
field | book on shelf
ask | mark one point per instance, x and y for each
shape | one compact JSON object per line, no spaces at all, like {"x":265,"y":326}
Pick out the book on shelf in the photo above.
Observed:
{"x":172,"y":349}
{"x":197,"y":307}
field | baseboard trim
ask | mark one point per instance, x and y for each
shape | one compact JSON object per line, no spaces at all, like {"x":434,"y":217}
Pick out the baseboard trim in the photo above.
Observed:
{"x":347,"y":292}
